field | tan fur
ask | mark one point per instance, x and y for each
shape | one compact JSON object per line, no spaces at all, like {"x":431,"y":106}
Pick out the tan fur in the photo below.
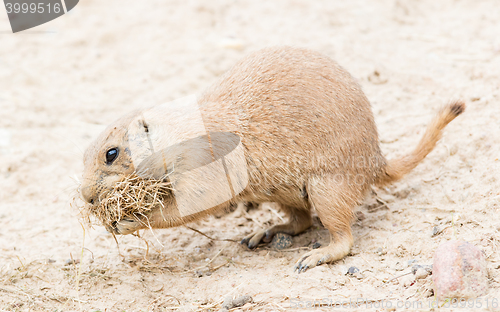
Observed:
{"x":310,"y":141}
{"x":398,"y":168}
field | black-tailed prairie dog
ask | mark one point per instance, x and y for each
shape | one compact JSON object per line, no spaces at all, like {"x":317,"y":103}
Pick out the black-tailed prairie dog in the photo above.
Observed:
{"x":308,"y":141}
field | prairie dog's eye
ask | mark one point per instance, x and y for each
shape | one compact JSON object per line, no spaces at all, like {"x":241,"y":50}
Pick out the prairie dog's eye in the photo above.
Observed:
{"x":111,"y":155}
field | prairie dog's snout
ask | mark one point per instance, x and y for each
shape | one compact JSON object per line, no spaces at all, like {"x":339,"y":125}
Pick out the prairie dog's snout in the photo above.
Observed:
{"x":107,"y":161}
{"x":296,"y":117}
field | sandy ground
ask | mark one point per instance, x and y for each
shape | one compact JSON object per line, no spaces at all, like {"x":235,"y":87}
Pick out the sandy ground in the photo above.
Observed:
{"x":61,"y":83}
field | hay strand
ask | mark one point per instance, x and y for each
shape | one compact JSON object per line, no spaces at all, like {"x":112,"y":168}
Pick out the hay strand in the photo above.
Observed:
{"x":132,"y":198}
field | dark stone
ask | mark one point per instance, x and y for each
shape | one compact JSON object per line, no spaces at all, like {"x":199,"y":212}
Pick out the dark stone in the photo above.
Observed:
{"x":281,"y":241}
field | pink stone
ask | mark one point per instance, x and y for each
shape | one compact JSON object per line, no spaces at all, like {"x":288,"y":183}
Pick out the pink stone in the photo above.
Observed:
{"x":459,"y":271}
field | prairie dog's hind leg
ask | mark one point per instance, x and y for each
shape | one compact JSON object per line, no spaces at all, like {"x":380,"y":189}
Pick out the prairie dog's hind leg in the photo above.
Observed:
{"x":334,"y":202}
{"x":299,"y":220}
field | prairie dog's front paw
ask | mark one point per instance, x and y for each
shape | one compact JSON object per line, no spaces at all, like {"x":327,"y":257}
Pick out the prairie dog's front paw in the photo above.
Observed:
{"x":126,"y":226}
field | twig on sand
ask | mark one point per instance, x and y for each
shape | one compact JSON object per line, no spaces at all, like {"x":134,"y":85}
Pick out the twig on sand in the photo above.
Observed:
{"x":382,"y":203}
{"x":215,"y":239}
{"x":395,"y":278}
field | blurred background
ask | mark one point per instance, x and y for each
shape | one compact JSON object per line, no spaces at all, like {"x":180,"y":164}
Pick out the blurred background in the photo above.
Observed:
{"x":61,"y":83}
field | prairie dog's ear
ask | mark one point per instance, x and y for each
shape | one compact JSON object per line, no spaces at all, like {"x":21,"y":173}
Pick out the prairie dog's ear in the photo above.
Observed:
{"x":139,"y":141}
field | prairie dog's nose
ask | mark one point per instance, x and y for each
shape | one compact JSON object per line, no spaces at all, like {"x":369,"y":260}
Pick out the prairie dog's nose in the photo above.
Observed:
{"x":87,"y":194}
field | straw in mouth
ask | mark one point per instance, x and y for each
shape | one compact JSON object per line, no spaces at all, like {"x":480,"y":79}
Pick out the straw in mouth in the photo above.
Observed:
{"x":133,"y":198}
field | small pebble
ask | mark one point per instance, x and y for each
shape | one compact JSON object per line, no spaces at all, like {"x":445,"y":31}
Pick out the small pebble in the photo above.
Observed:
{"x":421,"y":273}
{"x":352,"y":270}
{"x":230,"y":303}
{"x":426,"y":267}
{"x":435,"y":231}
{"x":71,"y":261}
{"x":281,"y":241}
{"x":459,"y":271}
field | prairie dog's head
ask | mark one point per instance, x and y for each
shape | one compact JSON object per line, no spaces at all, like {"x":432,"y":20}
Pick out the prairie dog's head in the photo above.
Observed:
{"x":166,"y":143}
{"x":107,"y":160}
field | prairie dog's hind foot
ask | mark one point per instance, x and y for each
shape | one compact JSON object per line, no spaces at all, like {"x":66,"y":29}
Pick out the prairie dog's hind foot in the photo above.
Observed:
{"x":335,"y":251}
{"x":334,"y":202}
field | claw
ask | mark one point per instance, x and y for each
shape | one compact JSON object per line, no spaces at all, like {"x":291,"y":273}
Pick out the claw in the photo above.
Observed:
{"x":252,"y":245}
{"x":246,"y":241}
{"x":253,"y":239}
{"x":299,"y":267}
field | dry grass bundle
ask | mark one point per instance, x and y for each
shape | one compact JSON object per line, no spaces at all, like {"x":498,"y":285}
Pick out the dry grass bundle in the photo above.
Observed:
{"x":132,"y":198}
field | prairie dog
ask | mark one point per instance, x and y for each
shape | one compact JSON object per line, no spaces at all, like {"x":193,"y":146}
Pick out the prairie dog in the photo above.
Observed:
{"x":309,"y":141}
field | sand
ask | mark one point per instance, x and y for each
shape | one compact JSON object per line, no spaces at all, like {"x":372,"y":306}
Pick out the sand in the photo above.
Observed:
{"x":63,"y":82}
